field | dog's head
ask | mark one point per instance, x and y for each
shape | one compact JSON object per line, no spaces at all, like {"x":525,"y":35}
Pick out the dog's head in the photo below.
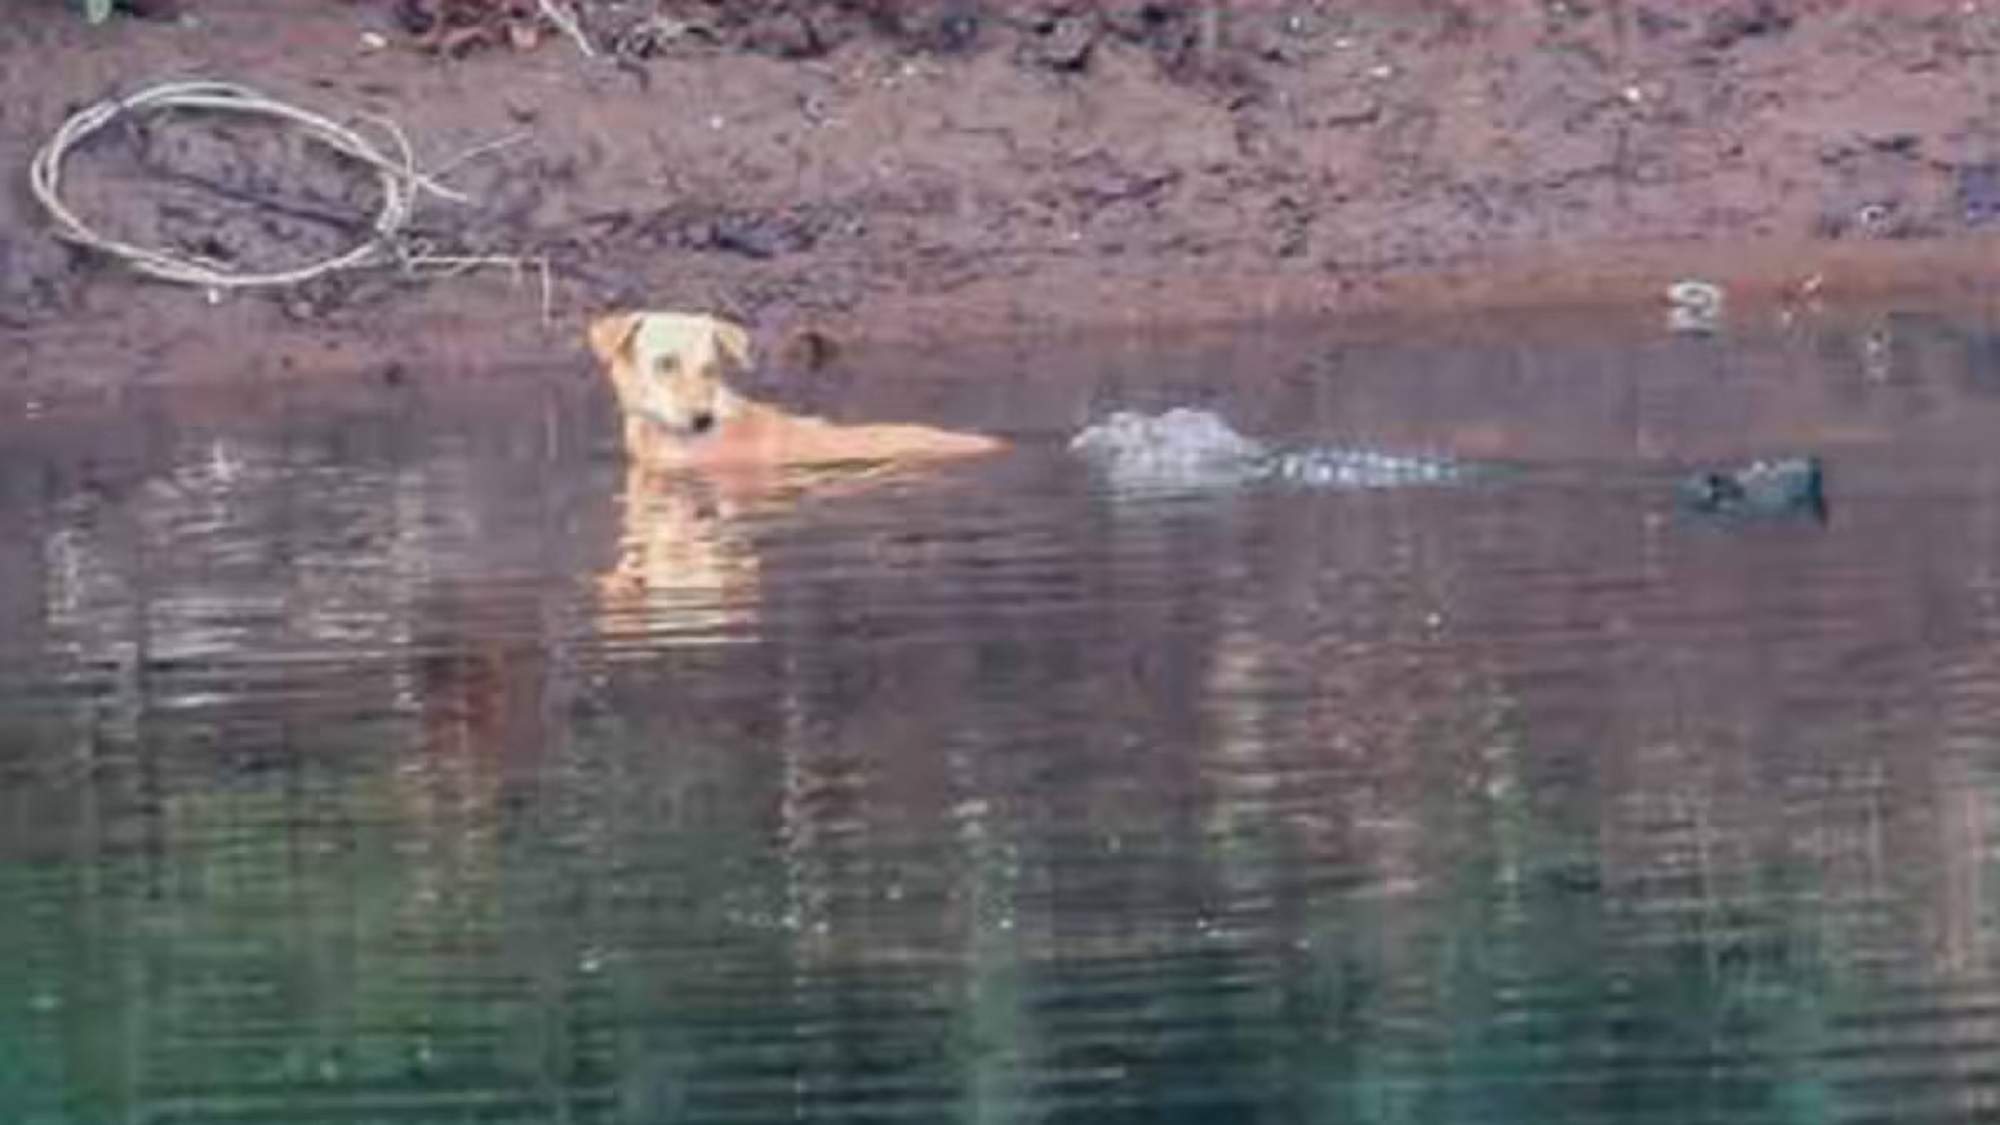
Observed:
{"x":671,"y":369}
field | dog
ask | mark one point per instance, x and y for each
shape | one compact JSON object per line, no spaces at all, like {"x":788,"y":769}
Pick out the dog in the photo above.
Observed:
{"x":670,"y":372}
{"x":707,"y":465}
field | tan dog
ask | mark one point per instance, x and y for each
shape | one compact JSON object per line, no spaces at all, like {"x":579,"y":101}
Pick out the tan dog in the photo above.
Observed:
{"x":707,"y":464}
{"x":670,"y":372}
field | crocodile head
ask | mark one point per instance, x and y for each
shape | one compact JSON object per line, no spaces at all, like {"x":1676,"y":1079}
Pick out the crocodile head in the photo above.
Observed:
{"x":1784,"y":487}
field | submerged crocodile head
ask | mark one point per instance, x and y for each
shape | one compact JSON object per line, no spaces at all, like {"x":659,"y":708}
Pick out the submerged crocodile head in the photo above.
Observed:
{"x":1181,"y":448}
{"x":1791,"y":486}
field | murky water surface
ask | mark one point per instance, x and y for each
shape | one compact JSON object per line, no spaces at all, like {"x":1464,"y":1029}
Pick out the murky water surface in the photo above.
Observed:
{"x":376,"y":755}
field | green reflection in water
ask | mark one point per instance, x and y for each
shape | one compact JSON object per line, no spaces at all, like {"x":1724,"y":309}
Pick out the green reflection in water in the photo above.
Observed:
{"x":360,"y":940}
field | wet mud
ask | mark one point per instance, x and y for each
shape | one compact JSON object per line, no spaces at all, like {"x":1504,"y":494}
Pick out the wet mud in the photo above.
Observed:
{"x":920,"y":172}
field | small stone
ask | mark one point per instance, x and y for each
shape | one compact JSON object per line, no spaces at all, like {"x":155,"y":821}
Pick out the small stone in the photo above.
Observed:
{"x":1694,"y":307}
{"x":1066,"y":44}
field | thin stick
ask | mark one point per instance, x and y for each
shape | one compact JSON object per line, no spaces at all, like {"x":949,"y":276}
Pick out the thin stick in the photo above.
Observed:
{"x":451,"y":265}
{"x":477,"y":151}
{"x":565,"y":22}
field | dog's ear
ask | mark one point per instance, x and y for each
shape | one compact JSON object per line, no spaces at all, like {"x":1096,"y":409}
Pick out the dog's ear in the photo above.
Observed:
{"x":809,"y":349}
{"x":611,"y":335}
{"x":732,"y":341}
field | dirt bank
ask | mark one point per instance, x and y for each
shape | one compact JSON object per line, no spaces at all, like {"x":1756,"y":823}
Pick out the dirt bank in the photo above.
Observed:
{"x":921,"y":170}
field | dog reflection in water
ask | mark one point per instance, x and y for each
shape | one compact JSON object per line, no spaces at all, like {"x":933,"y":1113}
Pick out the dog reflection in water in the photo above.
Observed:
{"x":705,"y":463}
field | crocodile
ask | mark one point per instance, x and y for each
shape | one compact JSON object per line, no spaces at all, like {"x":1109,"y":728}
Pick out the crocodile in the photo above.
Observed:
{"x":1186,"y":450}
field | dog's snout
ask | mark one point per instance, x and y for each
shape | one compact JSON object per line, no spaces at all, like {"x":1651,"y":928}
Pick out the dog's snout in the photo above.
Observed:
{"x":701,"y":421}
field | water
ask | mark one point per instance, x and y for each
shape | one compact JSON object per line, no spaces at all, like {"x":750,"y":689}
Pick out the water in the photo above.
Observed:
{"x":368,"y":756}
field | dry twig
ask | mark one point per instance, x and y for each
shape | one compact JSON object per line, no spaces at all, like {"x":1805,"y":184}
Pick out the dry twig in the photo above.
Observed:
{"x":402,"y":184}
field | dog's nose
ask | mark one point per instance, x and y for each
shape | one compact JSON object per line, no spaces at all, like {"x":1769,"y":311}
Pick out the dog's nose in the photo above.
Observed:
{"x":701,"y":422}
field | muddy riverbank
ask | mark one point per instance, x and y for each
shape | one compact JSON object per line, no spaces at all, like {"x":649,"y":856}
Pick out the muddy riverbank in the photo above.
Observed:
{"x":920,"y":172}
